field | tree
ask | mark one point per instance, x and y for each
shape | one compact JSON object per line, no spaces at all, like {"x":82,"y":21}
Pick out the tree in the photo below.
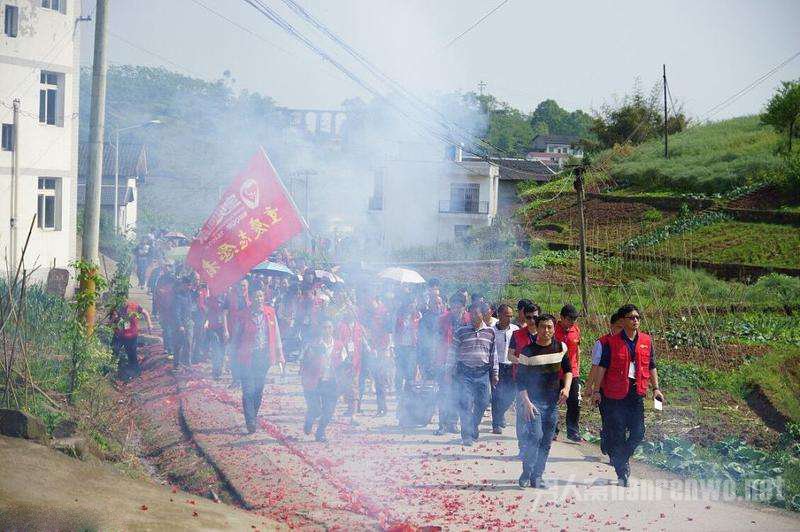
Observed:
{"x":549,"y":117}
{"x":635,"y":119}
{"x":783,"y":112}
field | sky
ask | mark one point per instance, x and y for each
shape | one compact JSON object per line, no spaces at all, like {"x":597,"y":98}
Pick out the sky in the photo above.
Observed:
{"x":580,"y":53}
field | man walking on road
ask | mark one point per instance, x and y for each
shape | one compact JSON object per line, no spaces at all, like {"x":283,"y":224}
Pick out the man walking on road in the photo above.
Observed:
{"x":592,"y":392}
{"x":126,"y":333}
{"x":627,"y":368}
{"x":503,"y":394}
{"x":538,"y":360}
{"x":568,"y":332}
{"x":258,"y":348}
{"x":321,"y":359}
{"x":476,"y":370}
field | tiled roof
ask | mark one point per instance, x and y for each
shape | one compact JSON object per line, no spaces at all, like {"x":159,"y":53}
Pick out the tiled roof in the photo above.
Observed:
{"x":540,"y":142}
{"x":513,"y":169}
{"x":132,"y":160}
{"x":124,"y":195}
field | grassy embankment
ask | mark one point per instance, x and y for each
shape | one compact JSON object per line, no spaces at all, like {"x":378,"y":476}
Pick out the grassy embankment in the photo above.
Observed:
{"x":728,"y":353}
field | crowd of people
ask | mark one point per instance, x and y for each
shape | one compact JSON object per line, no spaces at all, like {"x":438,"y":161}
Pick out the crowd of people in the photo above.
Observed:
{"x":445,"y":358}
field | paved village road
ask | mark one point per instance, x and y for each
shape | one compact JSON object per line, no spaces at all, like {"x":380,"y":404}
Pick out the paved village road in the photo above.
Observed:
{"x":375,"y":474}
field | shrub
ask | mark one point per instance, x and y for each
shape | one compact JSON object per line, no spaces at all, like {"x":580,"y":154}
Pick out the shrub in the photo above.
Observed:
{"x":681,"y":225}
{"x":777,"y":288}
{"x":652,"y":215}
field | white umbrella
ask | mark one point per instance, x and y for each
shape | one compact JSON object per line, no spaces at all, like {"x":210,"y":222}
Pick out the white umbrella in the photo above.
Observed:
{"x":401,"y":275}
{"x":328,"y":276}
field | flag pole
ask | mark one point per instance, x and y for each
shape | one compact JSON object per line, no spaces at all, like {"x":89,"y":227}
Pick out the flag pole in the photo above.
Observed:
{"x":285,"y":191}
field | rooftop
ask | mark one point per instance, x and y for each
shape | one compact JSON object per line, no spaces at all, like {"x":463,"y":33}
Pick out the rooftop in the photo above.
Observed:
{"x":132,"y":160}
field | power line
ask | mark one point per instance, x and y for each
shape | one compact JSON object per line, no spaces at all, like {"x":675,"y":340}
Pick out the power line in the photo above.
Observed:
{"x":475,"y":24}
{"x":243,"y":28}
{"x":154,"y":54}
{"x":414,"y":100}
{"x":671,"y":101}
{"x":730,"y":99}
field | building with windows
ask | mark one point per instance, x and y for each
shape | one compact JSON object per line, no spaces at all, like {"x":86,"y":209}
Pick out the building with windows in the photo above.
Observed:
{"x":425,"y":195}
{"x":121,"y":178}
{"x":563,"y":145}
{"x":39,"y":152}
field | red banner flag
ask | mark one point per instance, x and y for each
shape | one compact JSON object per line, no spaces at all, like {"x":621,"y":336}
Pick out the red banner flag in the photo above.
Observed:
{"x":253,"y":218}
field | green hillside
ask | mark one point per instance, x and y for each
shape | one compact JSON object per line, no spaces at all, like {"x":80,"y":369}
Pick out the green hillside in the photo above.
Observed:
{"x":710,"y":158}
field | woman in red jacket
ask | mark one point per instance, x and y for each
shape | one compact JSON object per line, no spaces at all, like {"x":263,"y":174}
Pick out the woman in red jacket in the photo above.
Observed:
{"x":321,"y":359}
{"x":258,"y":347}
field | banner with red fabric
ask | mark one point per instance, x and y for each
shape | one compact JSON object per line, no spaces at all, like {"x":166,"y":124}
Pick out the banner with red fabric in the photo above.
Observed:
{"x":254,"y":217}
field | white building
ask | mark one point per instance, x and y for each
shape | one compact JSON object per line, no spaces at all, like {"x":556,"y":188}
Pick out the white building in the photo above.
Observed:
{"x":123,"y":178}
{"x":422,"y":197}
{"x":39,"y":68}
{"x":564,"y":145}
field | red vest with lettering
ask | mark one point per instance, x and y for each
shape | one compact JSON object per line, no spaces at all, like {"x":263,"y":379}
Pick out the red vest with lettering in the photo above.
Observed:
{"x":572,"y":339}
{"x":615,"y":382}
{"x":522,"y":339}
{"x":354,"y":333}
{"x":249,"y":331}
{"x":130,"y":314}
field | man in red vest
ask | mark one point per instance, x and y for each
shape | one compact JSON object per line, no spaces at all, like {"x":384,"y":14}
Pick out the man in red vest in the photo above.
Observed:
{"x":323,"y":354}
{"x":126,"y":332}
{"x":592,"y":392}
{"x":258,"y":348}
{"x":627,"y":367}
{"x":568,"y":332}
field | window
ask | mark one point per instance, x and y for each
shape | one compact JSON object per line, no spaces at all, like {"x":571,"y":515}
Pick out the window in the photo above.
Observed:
{"x":464,"y":197}
{"x":8,"y":137}
{"x":55,"y":5}
{"x":48,"y":203}
{"x":50,"y":97}
{"x":461,"y":231}
{"x":11,"y":21}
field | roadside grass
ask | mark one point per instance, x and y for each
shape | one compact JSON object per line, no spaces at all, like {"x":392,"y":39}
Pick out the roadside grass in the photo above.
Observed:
{"x":740,"y":242}
{"x":709,"y":158}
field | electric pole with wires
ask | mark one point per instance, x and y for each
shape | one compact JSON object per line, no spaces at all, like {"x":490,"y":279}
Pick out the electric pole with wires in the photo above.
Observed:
{"x":578,"y":185}
{"x":91,"y":215}
{"x":666,"y":136}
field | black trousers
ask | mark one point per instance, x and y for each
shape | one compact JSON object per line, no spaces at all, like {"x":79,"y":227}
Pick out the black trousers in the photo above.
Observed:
{"x":624,"y":429}
{"x":321,"y":404}
{"x":573,"y":409}
{"x":603,"y":426}
{"x":130,"y":346}
{"x":503,"y":395}
{"x":253,"y":378}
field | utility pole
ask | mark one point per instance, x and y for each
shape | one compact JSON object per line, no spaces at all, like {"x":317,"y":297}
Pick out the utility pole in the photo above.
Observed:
{"x":481,"y":86}
{"x":14,"y":186}
{"x":90,"y":247}
{"x":666,"y":154}
{"x":578,"y":184}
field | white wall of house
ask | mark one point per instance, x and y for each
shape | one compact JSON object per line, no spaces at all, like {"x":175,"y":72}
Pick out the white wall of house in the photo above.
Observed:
{"x":46,"y":41}
{"x":128,"y":211}
{"x":417,"y":205}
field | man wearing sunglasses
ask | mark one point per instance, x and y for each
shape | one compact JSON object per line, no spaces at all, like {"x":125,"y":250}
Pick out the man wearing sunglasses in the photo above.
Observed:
{"x":627,"y":367}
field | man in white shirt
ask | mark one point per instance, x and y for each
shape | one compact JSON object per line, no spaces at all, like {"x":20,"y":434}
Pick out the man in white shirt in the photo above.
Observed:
{"x":503,"y":394}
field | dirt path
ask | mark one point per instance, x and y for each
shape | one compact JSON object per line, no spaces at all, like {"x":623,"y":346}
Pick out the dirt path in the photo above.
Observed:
{"x":42,"y":489}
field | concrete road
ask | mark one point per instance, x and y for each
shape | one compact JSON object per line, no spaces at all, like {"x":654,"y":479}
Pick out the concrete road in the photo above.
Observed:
{"x":375,"y":475}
